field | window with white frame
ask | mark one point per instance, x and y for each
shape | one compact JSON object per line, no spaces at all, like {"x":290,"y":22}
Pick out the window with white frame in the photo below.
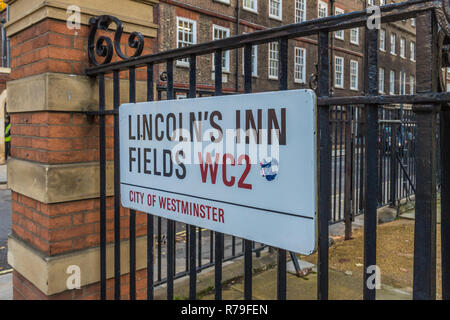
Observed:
{"x":273,"y":60}
{"x":300,"y":65}
{"x":412,"y":51}
{"x":353,"y":75}
{"x":186,"y":36}
{"x":402,"y":83}
{"x":381,"y":80}
{"x":382,"y":2}
{"x":393,"y":42}
{"x":322,"y":9}
{"x":448,"y":87}
{"x":251,"y":5}
{"x":300,"y":11}
{"x":254,"y":61}
{"x":339,"y":34}
{"x":339,"y":72}
{"x":412,"y":85}
{"x":383,"y":40}
{"x":402,"y":47}
{"x":371,"y":2}
{"x":275,"y":9}
{"x":413,"y":22}
{"x":354,"y":36}
{"x":392,"y":82}
{"x":222,"y":33}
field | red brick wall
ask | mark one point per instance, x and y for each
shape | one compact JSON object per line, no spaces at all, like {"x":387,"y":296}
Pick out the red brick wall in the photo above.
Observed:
{"x":3,"y":79}
{"x":58,"y":137}
{"x":49,"y":46}
{"x":59,"y":228}
{"x":61,"y":138}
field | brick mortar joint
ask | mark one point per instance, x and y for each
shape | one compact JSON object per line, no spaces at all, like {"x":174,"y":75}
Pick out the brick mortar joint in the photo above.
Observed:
{"x":46,"y":45}
{"x":51,"y":216}
{"x":31,"y":244}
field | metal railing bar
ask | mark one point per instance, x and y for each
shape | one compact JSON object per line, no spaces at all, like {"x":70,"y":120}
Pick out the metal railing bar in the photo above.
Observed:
{"x":424,"y":278}
{"x":186,"y":246}
{"x":117,"y":274}
{"x":389,"y":13}
{"x":170,"y":223}
{"x":101,"y":81}
{"x":247,"y":244}
{"x":150,"y":218}
{"x":381,"y":100}
{"x":371,"y":160}
{"x":132,"y":226}
{"x":181,"y":274}
{"x":445,"y":202}
{"x":281,"y":272}
{"x":159,"y":248}
{"x":334,"y":164}
{"x":219,"y":236}
{"x":324,"y":159}
{"x":200,"y":247}
{"x":192,"y":238}
{"x":434,"y":98}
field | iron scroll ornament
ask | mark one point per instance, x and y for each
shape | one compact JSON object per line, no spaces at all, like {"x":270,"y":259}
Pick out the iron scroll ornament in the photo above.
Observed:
{"x":104,"y":46}
{"x":442,"y":14}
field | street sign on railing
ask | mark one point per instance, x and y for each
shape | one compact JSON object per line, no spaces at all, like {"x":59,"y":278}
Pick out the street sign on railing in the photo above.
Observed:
{"x":242,"y":165}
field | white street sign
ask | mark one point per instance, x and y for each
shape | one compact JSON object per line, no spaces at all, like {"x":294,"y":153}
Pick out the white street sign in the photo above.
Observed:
{"x":243,"y":165}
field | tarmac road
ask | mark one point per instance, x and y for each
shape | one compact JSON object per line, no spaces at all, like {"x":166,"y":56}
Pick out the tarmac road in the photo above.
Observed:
{"x":5,"y":226}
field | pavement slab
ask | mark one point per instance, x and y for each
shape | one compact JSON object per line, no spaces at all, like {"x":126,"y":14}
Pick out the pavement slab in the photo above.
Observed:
{"x":6,"y":292}
{"x":342,"y":287}
{"x":395,"y":247}
{"x":5,"y":226}
{"x":3,"y":174}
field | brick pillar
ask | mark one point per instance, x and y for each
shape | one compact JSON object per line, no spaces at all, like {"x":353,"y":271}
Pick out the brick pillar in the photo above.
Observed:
{"x":54,"y":169}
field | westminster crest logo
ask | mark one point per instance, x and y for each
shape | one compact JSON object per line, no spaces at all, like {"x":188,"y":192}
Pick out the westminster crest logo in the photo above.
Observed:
{"x":269,"y":168}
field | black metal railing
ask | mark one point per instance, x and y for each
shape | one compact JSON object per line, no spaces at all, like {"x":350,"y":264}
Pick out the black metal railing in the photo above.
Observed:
{"x":396,"y":151}
{"x":367,"y":147}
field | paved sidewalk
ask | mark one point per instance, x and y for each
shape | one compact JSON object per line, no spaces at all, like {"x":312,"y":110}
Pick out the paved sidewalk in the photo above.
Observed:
{"x":6,"y":287}
{"x":5,"y":226}
{"x":5,"y":229}
{"x":342,"y":287}
{"x":3,"y":174}
{"x":345,"y":273}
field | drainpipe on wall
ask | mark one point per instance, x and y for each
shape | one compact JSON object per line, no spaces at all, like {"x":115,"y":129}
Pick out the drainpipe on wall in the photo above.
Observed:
{"x":236,"y":61}
{"x":332,"y":53}
{"x":4,"y":45}
{"x":157,"y":81}
{"x":5,"y":40}
{"x":365,"y":49}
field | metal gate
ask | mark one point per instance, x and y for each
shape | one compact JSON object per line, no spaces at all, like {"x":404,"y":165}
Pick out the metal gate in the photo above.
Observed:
{"x":370,"y":147}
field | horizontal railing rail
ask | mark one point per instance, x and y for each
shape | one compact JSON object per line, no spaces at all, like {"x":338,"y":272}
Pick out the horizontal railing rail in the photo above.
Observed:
{"x":389,"y":13}
{"x":425,"y":98}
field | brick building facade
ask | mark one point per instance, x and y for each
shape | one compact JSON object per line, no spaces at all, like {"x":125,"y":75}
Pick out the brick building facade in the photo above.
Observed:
{"x":4,"y":48}
{"x":197,"y":21}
